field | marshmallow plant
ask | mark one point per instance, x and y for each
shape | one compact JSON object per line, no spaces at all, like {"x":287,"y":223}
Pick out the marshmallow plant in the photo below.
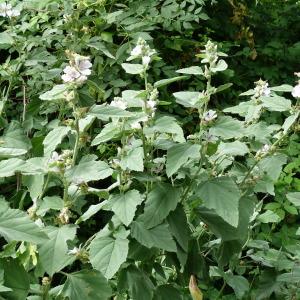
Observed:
{"x":122,"y":196}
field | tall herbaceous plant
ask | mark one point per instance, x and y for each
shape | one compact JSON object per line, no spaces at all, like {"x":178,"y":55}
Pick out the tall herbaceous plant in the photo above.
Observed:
{"x":105,"y":193}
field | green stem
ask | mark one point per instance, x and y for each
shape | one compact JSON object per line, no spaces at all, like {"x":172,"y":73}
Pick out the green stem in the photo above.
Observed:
{"x":76,"y":147}
{"x":24,"y":103}
{"x":249,"y":172}
{"x":66,"y":195}
{"x":221,"y":291}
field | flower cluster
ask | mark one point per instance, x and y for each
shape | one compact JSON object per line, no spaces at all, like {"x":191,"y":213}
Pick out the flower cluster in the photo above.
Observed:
{"x":211,"y":53}
{"x":152,"y":102}
{"x":142,"y":50}
{"x":263,"y":151}
{"x":64,"y":215}
{"x":59,"y":163}
{"x":261,"y":89}
{"x":6,"y":10}
{"x":296,"y":89}
{"x":78,"y":69}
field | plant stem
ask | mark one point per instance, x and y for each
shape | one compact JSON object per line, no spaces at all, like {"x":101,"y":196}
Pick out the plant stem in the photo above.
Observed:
{"x":66,"y":195}
{"x":221,"y":290}
{"x":76,"y":147}
{"x":24,"y":103}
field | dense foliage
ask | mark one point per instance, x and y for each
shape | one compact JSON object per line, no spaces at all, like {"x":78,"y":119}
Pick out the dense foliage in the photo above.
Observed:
{"x":149,"y":149}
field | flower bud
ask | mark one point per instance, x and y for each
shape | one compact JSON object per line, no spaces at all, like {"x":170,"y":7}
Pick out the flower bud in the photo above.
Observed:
{"x":194,"y":290}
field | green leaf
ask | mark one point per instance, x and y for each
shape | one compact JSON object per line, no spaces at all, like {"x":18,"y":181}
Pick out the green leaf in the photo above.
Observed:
{"x":86,"y":123}
{"x":261,"y":132}
{"x":14,"y":142}
{"x":15,"y":225}
{"x":224,"y":230}
{"x":109,"y":132}
{"x":222,"y":195}
{"x":88,"y":169}
{"x":105,"y":112}
{"x":167,"y":292}
{"x":92,"y":210}
{"x":10,"y":166}
{"x":179,"y":154}
{"x":235,"y":148}
{"x":223,"y":87}
{"x":188,"y":99}
{"x":272,"y":165}
{"x":248,"y":93}
{"x":167,"y":124}
{"x":241,"y":109}
{"x":282,"y":88}
{"x":179,"y":228}
{"x":15,"y":278}
{"x":34,"y":184}
{"x":294,"y":198}
{"x":159,"y":236}
{"x":133,"y":68}
{"x":167,"y":81}
{"x":54,"y":138}
{"x":239,"y":284}
{"x":52,"y":202}
{"x":221,"y":66}
{"x":53,"y":253}
{"x":292,"y":277}
{"x":193,"y":70}
{"x":107,"y":254}
{"x":133,"y":160}
{"x":160,"y":202}
{"x":289,"y":122}
{"x":269,"y":217}
{"x":137,"y":282}
{"x":125,"y":205}
{"x":6,"y":40}
{"x":276,"y":103}
{"x":86,"y":284}
{"x":56,"y":93}
{"x":101,"y":47}
{"x":228,"y":128}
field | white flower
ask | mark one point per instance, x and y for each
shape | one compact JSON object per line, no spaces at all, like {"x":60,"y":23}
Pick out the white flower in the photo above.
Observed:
{"x":137,"y":51}
{"x":210,"y":115}
{"x":146,"y":60}
{"x":13,"y":13}
{"x":264,"y":150}
{"x":71,"y":74}
{"x":151,"y":104}
{"x":84,"y":66}
{"x":74,"y":251}
{"x":119,"y":102}
{"x":262,"y":89}
{"x":6,"y":10}
{"x":142,"y":50}
{"x":296,"y":91}
{"x":210,"y":138}
{"x":265,"y":90}
{"x":78,"y":69}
